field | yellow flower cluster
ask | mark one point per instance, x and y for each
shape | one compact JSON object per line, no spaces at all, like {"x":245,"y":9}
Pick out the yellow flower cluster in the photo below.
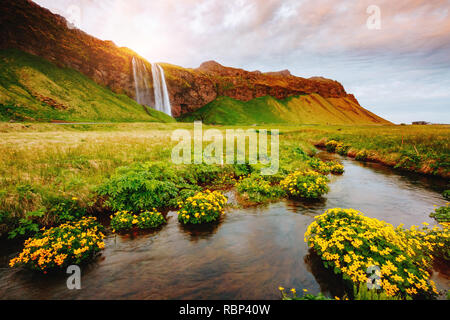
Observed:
{"x":68,"y":243}
{"x":326,"y":167}
{"x":305,"y":184}
{"x":350,"y":243}
{"x":202,"y":207}
{"x":125,"y":220}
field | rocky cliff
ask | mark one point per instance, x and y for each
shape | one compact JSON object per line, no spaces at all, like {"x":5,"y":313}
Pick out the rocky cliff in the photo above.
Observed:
{"x":27,"y":26}
{"x":33,"y":29}
{"x":193,"y":88}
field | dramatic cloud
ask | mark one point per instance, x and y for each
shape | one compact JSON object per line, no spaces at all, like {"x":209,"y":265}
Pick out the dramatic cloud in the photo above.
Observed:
{"x":400,"y":71}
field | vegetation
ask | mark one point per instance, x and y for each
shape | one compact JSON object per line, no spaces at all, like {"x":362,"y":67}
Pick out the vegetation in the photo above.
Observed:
{"x":304,"y":109}
{"x":203,"y":207}
{"x":305,"y":184}
{"x":33,"y":89}
{"x":292,"y":295}
{"x":44,"y":167}
{"x":442,"y":214}
{"x":350,"y":243}
{"x":70,"y":243}
{"x":326,"y":167}
{"x":126,"y":221}
{"x":257,"y":189}
{"x":423,"y":149}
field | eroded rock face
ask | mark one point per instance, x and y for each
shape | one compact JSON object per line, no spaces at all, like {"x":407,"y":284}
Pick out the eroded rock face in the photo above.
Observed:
{"x":193,"y":88}
{"x":33,"y":29}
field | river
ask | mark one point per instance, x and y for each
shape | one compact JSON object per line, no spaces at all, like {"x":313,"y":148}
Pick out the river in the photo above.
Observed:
{"x":248,"y":255}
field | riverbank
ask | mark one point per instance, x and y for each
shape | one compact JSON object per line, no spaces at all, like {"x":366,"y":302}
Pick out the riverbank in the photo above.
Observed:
{"x":247,"y":255}
{"x":44,"y":165}
{"x":421,"y":149}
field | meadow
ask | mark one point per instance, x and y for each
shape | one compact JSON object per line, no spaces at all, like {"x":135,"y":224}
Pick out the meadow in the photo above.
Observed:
{"x":42,"y":165}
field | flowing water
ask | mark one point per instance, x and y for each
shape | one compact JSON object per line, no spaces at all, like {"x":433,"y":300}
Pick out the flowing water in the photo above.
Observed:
{"x":246,"y":256}
{"x":158,"y":98}
{"x":162,"y":101}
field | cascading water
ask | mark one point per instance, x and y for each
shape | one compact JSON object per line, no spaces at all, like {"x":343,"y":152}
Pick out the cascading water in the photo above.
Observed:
{"x":161,"y":101}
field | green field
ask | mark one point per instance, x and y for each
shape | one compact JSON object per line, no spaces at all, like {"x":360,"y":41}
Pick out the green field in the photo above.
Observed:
{"x":42,"y":165}
{"x":33,"y":89}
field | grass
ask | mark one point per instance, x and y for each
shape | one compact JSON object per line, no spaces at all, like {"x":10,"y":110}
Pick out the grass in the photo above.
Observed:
{"x":423,"y":149}
{"x":33,"y":89}
{"x":42,"y":165}
{"x":305,"y":109}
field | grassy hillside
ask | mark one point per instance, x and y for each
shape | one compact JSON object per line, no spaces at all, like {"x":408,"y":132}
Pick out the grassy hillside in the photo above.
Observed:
{"x":33,"y":89}
{"x":305,"y":109}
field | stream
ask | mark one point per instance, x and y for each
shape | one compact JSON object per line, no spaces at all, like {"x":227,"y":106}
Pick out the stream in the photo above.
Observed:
{"x":248,"y":255}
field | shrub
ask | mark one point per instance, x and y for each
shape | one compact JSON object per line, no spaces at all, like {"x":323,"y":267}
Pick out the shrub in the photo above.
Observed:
{"x":342,"y":149}
{"x":142,"y":187}
{"x":69,"y":243}
{"x":362,"y":155}
{"x":203,"y":207}
{"x":326,"y":167}
{"x":319,"y":166}
{"x":29,"y":225}
{"x":126,"y":221}
{"x":441,"y":214}
{"x":331,"y":145}
{"x":205,"y":174}
{"x":63,"y":210}
{"x":446,"y":194}
{"x":306,"y":296}
{"x":305,"y":184}
{"x":336,"y":167}
{"x":349,"y":243}
{"x":362,"y":292}
{"x":242,"y":169}
{"x":257,"y":189}
{"x":299,"y":152}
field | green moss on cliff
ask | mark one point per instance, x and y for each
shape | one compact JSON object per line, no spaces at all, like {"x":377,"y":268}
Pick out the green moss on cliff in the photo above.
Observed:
{"x":304,"y":109}
{"x":33,"y":89}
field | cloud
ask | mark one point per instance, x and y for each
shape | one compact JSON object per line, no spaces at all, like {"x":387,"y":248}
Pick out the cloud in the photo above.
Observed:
{"x":323,"y":37}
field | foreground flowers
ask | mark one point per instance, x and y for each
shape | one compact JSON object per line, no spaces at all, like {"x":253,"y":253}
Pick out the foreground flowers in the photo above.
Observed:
{"x":203,"y":207}
{"x":326,"y":167}
{"x":305,"y":184}
{"x":126,"y":221}
{"x":69,"y":243}
{"x":349,"y":243}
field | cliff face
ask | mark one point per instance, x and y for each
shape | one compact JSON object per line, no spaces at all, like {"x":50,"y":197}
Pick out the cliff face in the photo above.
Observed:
{"x":33,"y":29}
{"x":190,"y":89}
{"x":27,"y":26}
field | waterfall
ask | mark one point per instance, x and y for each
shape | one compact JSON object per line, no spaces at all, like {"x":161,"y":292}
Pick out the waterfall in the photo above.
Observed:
{"x":160,"y":100}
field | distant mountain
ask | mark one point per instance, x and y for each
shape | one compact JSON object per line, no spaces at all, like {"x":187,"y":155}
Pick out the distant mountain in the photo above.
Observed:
{"x":35,"y":30}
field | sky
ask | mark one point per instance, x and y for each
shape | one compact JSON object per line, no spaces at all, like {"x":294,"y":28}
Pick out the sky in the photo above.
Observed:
{"x":394,"y":56}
